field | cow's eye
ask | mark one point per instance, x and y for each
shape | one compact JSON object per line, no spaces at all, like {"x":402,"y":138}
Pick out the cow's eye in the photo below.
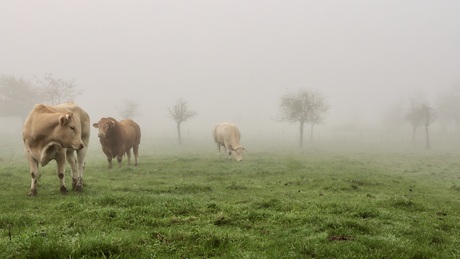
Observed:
{"x":72,"y":128}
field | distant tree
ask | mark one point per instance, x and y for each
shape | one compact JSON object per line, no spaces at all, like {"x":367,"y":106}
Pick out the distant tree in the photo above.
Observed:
{"x":421,"y":114}
{"x":304,"y":106}
{"x":129,"y":109}
{"x":180,"y":113}
{"x":414,"y":117}
{"x":17,"y":97}
{"x":56,"y":90}
{"x":430,"y":117}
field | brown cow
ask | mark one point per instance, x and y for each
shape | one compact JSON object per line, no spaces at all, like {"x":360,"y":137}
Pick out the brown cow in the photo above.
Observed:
{"x":118,"y":137}
{"x":227,"y":135}
{"x":55,"y":132}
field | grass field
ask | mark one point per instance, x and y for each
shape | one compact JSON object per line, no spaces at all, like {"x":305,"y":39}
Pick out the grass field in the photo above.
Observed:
{"x":186,"y":203}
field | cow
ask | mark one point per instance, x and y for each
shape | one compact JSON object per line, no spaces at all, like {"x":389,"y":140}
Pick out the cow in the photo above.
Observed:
{"x":56,"y":132}
{"x":227,"y":135}
{"x":117,"y":138}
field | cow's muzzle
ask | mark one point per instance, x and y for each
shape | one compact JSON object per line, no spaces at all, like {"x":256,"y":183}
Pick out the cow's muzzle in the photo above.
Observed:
{"x":79,"y":147}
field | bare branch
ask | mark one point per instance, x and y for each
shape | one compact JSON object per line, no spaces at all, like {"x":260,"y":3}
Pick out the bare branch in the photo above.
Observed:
{"x":180,"y":113}
{"x":303,"y":106}
{"x":56,"y":90}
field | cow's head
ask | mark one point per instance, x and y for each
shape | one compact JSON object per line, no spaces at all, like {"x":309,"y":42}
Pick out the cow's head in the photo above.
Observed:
{"x":68,"y":133}
{"x":239,"y":153}
{"x":49,"y":152}
{"x":104,"y":125}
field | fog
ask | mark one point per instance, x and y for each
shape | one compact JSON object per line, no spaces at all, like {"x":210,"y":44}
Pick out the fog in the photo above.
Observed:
{"x":233,"y":60}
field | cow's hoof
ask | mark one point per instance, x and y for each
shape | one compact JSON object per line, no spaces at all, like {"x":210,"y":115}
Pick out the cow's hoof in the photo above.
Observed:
{"x":77,"y":184}
{"x":74,"y":184}
{"x":33,"y":192}
{"x":63,"y":190}
{"x":79,"y":187}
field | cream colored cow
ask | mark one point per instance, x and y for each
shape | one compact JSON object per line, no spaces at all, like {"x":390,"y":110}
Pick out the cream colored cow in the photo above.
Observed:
{"x":228,"y":135}
{"x":56,"y":132}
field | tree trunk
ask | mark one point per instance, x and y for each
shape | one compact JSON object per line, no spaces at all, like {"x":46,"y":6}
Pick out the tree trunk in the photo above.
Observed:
{"x":301,"y":135}
{"x":427,"y":138}
{"x":311,"y":132}
{"x":179,"y":136}
{"x":414,"y":129}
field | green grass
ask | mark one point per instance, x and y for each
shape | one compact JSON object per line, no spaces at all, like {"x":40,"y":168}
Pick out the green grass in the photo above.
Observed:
{"x":182,"y":203}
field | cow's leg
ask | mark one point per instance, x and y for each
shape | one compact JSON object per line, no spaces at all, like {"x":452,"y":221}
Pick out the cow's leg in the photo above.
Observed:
{"x":60,"y":161}
{"x":119,"y":158}
{"x":218,"y":149}
{"x":33,"y":165}
{"x":76,"y":167}
{"x":109,"y":159}
{"x":81,"y":154}
{"x":70,"y":157}
{"x":228,"y":152}
{"x":136,"y":154}
{"x":128,"y":156}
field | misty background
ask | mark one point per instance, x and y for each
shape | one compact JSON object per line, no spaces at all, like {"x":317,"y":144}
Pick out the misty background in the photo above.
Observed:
{"x":233,"y":60}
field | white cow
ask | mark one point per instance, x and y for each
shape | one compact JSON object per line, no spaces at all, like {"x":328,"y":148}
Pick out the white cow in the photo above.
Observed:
{"x":227,"y":135}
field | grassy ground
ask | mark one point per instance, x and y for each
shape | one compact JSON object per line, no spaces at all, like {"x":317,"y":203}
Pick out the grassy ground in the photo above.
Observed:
{"x":275,"y":204}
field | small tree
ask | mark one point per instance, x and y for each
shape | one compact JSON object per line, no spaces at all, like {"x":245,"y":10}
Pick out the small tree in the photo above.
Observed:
{"x":180,"y":113}
{"x":429,"y":117}
{"x":414,"y":117}
{"x":56,"y":90}
{"x":421,"y":114}
{"x":304,"y":106}
{"x":129,"y":109}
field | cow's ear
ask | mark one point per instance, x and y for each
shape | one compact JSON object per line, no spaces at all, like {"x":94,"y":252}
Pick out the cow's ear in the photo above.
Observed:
{"x":63,"y":119}
{"x":112,"y":123}
{"x":96,"y":125}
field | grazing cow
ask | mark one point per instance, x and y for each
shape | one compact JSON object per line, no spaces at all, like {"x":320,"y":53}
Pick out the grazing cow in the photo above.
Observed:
{"x":118,"y":137}
{"x":55,"y":132}
{"x":227,"y":135}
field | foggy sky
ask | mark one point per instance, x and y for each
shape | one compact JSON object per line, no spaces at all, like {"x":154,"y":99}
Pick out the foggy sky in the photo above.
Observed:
{"x":232,"y":60}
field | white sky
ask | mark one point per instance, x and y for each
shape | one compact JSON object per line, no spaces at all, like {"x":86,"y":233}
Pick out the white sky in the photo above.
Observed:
{"x":232,"y":60}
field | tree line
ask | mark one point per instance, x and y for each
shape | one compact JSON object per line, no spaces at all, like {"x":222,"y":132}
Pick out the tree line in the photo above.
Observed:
{"x":304,"y":106}
{"x":18,"y":96}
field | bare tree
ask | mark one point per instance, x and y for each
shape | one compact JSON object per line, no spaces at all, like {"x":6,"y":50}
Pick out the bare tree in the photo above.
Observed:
{"x":421,"y":114}
{"x":56,"y":90}
{"x":129,"y":109}
{"x":180,"y":113}
{"x":17,"y":97}
{"x":304,"y":106}
{"x":415,"y":117}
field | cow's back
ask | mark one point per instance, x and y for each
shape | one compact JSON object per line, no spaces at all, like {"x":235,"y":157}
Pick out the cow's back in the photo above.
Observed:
{"x":226,"y":132}
{"x":35,"y":122}
{"x":132,"y":132}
